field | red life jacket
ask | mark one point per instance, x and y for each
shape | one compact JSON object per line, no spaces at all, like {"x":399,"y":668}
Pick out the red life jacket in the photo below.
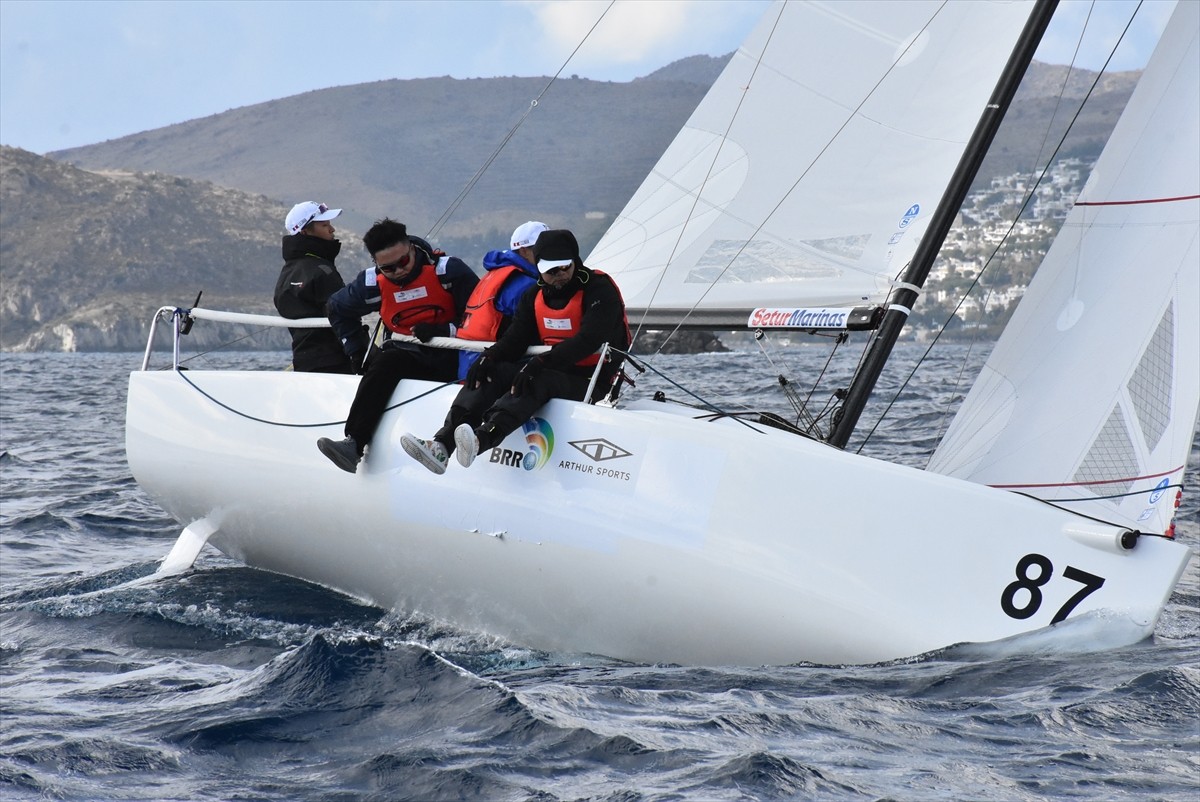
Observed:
{"x":423,"y":300}
{"x":481,"y":320}
{"x":556,"y":325}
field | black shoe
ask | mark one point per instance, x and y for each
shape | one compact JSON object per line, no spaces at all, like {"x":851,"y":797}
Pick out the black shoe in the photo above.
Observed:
{"x":342,"y":453}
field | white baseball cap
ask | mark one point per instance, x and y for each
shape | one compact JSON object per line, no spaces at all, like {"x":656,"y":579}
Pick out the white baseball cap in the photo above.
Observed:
{"x":304,"y":213}
{"x":527,"y":233}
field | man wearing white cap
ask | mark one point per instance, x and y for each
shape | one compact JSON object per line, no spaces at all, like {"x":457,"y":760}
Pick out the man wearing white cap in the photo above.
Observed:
{"x":508,"y":274}
{"x":305,"y":283}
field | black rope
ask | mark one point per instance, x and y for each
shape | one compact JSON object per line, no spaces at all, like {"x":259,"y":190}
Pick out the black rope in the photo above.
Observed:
{"x":1055,"y":504}
{"x":239,"y":413}
{"x":1147,"y":491}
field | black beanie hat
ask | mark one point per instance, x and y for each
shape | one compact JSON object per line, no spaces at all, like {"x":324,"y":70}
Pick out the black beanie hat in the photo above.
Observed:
{"x":556,"y":245}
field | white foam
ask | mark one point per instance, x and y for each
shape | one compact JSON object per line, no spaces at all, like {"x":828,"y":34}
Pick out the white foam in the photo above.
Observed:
{"x":1095,"y":631}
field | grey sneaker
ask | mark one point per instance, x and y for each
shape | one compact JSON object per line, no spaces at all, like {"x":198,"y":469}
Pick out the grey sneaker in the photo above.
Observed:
{"x":429,"y":453}
{"x":466,"y":444}
{"x":342,"y":453}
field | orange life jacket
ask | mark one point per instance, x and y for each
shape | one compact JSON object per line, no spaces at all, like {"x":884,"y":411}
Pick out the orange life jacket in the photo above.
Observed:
{"x":481,"y":320}
{"x":423,"y":300}
{"x":556,"y":325}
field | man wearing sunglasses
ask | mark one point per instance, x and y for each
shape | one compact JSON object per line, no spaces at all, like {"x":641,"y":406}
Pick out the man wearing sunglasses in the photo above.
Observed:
{"x":574,"y":309}
{"x":305,"y":283}
{"x":417,"y":291}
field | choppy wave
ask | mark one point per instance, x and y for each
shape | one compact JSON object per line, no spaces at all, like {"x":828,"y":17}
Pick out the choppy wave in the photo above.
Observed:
{"x":228,"y":683}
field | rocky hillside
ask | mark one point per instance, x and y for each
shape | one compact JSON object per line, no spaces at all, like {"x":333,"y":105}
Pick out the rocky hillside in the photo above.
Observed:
{"x":86,"y":257}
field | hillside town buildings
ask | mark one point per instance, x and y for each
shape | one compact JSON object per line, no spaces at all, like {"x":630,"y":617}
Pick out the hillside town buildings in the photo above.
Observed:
{"x":975,"y":283}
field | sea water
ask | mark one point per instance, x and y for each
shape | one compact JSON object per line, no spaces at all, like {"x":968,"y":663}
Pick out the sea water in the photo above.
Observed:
{"x":229,"y":683}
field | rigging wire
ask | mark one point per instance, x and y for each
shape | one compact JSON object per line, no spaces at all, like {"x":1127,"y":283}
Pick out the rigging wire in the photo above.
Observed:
{"x":466,"y":190}
{"x":1012,"y":225}
{"x":707,"y":404}
{"x":809,"y":420}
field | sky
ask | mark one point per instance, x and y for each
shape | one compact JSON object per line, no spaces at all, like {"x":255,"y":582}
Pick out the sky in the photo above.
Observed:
{"x":76,"y":73}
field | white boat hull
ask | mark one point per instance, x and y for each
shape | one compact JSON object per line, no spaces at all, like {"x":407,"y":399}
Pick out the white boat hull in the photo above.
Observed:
{"x":746,"y":545}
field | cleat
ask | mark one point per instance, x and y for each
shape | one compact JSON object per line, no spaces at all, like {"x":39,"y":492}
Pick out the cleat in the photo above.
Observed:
{"x":429,"y":453}
{"x":342,"y":453}
{"x":467,"y":444}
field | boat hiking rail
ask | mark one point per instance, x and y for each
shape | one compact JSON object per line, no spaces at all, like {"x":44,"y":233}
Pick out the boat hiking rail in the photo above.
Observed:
{"x":183,"y":319}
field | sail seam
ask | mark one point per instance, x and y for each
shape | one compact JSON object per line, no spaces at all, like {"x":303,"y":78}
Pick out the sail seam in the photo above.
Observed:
{"x":1138,"y":202}
{"x":1095,"y":481}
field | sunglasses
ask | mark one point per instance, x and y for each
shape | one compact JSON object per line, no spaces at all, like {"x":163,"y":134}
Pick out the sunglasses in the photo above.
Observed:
{"x":397,"y":265}
{"x":557,"y":271}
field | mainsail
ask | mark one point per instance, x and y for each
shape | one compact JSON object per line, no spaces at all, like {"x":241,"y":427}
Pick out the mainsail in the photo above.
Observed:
{"x":1091,"y":396}
{"x":797,"y":183}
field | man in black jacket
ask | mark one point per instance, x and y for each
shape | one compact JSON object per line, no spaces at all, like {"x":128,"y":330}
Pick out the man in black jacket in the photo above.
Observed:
{"x":574,"y":309}
{"x":305,"y":283}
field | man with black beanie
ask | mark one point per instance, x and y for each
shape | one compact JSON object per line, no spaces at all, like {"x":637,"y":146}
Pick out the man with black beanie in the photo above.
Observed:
{"x":573,"y":309}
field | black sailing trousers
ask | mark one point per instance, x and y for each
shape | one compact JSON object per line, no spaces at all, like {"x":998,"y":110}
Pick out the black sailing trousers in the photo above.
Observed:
{"x":384,"y":371}
{"x":493,"y":411}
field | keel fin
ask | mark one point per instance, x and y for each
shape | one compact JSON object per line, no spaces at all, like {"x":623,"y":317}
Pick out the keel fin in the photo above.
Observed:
{"x":187,"y":547}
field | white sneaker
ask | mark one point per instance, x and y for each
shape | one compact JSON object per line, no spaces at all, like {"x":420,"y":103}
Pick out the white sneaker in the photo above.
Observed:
{"x":466,"y":444}
{"x":429,"y":453}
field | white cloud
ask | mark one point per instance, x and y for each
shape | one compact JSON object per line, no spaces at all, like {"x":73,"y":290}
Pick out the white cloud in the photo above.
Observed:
{"x":1085,"y":33}
{"x":634,"y":31}
{"x":628,"y":32}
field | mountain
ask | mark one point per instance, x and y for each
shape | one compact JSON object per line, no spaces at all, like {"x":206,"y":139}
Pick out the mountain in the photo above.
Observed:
{"x":153,"y":218}
{"x":1046,"y":102}
{"x":87,"y":256}
{"x":408,"y":148}
{"x":702,"y":70}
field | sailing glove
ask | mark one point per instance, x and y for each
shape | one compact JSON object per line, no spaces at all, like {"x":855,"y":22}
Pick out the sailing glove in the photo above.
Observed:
{"x":524,"y":381}
{"x":480,"y":371}
{"x":427,"y":331}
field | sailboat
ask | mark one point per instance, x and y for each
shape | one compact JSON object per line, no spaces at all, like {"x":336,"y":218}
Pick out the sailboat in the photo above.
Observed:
{"x":800,"y":195}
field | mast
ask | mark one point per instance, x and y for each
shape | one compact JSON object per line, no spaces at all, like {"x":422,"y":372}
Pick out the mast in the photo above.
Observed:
{"x":901,"y":302}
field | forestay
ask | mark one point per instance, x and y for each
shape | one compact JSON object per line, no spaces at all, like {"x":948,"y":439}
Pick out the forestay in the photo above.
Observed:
{"x":797,"y":183}
{"x":1090,"y":397}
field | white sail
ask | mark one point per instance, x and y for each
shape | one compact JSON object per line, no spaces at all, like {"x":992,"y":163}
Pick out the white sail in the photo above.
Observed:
{"x":1093,"y":390}
{"x":806,"y":178}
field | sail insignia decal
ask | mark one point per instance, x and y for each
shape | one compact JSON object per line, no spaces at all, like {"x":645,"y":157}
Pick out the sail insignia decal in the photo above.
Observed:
{"x":860,"y":318}
{"x":763,"y":318}
{"x":599,"y":450}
